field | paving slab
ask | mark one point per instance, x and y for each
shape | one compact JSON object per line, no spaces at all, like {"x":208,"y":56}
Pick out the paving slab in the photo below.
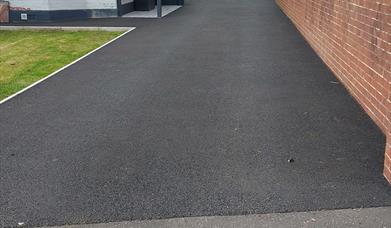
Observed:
{"x":166,"y":9}
{"x":196,"y":114}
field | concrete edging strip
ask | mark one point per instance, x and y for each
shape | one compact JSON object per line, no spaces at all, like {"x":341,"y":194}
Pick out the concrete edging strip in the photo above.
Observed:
{"x":125,"y":29}
{"x":67,"y":28}
{"x":361,"y":217}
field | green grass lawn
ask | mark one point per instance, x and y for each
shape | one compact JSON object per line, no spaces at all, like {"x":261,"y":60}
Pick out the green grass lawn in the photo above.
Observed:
{"x":27,"y":56}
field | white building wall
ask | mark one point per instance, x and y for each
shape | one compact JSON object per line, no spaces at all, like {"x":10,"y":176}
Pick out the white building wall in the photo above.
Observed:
{"x":101,"y":4}
{"x":63,"y":4}
{"x":82,"y":4}
{"x":29,"y":4}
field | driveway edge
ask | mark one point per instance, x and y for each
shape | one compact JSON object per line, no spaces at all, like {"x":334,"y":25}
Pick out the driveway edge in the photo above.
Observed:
{"x":128,"y":29}
{"x":362,"y":217}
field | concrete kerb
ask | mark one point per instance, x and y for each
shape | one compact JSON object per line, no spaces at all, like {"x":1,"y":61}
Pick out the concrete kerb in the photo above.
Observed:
{"x":360,"y":217}
{"x":68,"y":28}
{"x":125,"y":31}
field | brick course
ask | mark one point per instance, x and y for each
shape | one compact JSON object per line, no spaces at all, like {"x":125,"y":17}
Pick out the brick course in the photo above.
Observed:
{"x":353,"y":37}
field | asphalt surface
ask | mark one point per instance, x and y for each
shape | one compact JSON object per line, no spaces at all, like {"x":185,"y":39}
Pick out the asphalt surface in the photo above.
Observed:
{"x":195,"y":114}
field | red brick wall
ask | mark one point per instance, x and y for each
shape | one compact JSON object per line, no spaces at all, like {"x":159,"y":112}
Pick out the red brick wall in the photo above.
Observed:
{"x":4,"y":12}
{"x":353,"y":37}
{"x":387,"y":163}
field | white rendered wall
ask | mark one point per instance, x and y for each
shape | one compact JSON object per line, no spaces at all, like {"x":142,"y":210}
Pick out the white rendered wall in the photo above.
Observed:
{"x":63,"y":4}
{"x":81,"y":4}
{"x":29,"y":4}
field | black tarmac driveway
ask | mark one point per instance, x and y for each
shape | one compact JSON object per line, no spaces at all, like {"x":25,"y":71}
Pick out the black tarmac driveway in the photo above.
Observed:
{"x":191,"y":115}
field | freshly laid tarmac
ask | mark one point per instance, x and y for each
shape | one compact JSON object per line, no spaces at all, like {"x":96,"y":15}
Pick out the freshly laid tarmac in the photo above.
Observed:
{"x":195,"y":114}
